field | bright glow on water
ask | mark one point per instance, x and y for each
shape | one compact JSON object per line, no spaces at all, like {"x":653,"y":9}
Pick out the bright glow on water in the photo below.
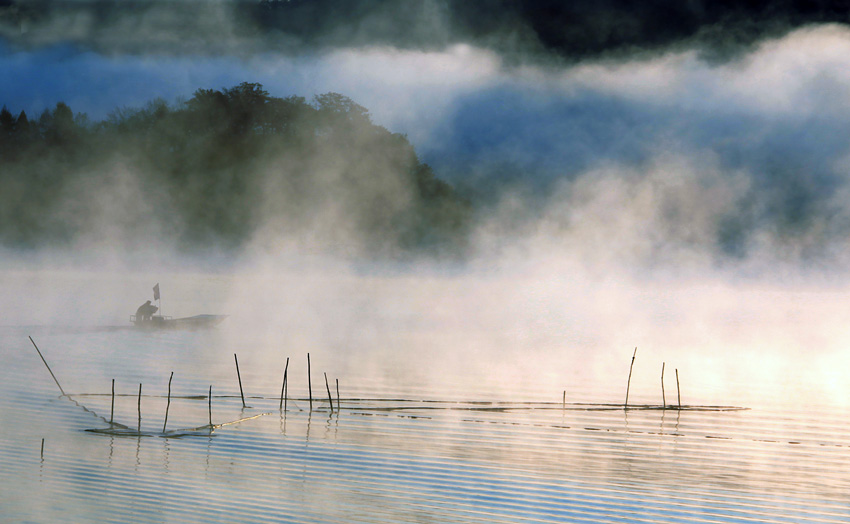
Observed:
{"x":452,"y":405}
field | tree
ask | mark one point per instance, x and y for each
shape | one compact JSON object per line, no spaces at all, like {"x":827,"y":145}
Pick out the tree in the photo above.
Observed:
{"x":245,"y":105}
{"x":22,"y":124}
{"x":22,"y":134}
{"x":45,"y":122}
{"x":7,"y":121}
{"x":63,"y":117}
{"x":60,"y":127}
{"x":340,"y":105}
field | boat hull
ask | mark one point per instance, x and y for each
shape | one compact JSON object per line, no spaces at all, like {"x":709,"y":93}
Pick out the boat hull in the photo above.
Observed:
{"x":195,"y":322}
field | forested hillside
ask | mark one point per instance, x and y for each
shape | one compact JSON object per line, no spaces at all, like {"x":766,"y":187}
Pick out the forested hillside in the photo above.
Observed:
{"x":223,"y":168}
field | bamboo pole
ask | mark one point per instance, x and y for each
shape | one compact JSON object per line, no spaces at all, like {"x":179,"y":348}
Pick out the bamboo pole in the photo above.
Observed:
{"x":168,"y":405}
{"x":48,"y":367}
{"x":629,"y":383}
{"x":42,"y":448}
{"x":330,"y":400}
{"x":112,"y":409}
{"x":337,"y":395}
{"x":283,"y":386}
{"x":209,"y":402}
{"x":678,"y":391}
{"x":663,"y":396}
{"x":139,"y":407}
{"x":239,"y":376}
{"x":309,"y":382}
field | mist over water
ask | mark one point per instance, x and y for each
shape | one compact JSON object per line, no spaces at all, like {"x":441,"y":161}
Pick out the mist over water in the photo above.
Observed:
{"x":451,"y":392}
{"x":480,"y":388}
{"x":490,"y":331}
{"x":513,"y":202}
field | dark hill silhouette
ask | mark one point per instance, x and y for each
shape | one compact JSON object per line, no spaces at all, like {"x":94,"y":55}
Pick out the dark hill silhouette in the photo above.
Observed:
{"x":220,"y":169}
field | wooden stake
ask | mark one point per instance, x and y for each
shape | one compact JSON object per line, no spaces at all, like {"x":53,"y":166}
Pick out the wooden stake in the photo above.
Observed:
{"x":112,"y":410}
{"x":564,"y":400}
{"x":663,"y":396}
{"x":240,"y":381}
{"x":309,"y":382}
{"x":140,"y":407}
{"x":168,"y":405}
{"x":48,"y":367}
{"x":629,"y":383}
{"x":42,"y":448}
{"x":283,"y":386}
{"x":337,"y":395}
{"x":330,"y":400}
{"x":678,"y":391}
{"x":209,"y":401}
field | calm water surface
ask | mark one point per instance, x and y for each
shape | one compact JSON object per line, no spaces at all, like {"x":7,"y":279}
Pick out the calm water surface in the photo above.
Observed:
{"x":403,"y":446}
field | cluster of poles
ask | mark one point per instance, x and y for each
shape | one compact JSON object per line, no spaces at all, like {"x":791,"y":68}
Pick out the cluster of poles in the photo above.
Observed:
{"x":663,"y":395}
{"x":283,"y":392}
{"x":629,"y":382}
{"x":284,"y":387}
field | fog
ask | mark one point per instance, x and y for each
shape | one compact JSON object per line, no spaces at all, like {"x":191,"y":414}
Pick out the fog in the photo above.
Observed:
{"x":497,"y":334}
{"x":549,"y":301}
{"x":683,"y":195}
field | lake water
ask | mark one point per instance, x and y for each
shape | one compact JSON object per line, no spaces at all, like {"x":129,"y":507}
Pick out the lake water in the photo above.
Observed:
{"x":460,"y":400}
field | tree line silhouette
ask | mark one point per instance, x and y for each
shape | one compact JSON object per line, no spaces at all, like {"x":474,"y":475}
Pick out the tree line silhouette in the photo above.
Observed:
{"x":222,"y":167}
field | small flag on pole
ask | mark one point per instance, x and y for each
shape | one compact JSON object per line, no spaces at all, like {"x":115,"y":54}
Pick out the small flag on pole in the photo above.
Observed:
{"x":156,"y":291}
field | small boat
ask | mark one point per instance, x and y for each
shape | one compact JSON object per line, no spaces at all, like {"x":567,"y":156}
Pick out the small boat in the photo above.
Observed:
{"x":145,"y":318}
{"x":162,"y":322}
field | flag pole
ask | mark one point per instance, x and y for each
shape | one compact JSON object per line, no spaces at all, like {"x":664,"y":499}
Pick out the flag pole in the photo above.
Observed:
{"x":157,"y":298}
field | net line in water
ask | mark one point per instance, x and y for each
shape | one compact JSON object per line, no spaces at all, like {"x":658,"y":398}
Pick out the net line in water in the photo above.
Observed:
{"x":361,"y":404}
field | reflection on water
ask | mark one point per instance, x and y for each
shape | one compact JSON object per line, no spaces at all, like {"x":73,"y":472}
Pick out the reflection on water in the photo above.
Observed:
{"x":394,"y":451}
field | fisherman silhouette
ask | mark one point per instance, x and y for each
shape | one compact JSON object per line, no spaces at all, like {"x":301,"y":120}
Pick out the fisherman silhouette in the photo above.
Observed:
{"x":145,"y":311}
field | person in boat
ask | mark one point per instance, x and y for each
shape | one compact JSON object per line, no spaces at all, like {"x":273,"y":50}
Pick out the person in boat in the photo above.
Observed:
{"x":145,"y":311}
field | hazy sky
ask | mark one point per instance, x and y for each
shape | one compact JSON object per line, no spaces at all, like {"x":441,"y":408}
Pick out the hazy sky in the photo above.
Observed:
{"x":676,"y":101}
